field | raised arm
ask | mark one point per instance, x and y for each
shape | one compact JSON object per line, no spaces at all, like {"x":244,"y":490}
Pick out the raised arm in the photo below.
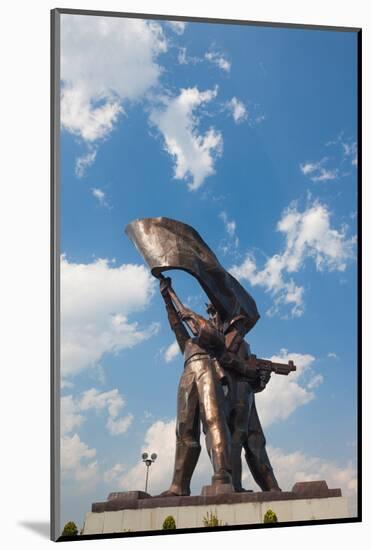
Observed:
{"x":175,"y":321}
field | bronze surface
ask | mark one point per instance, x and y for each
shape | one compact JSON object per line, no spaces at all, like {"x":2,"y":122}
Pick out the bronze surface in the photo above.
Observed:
{"x":220,"y":378}
{"x":170,"y":244}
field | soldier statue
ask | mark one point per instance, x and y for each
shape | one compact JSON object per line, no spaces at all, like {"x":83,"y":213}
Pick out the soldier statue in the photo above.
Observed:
{"x":200,"y":396}
{"x":221,"y":376}
{"x":242,"y":417}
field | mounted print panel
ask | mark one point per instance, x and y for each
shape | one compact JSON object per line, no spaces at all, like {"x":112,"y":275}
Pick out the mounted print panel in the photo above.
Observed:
{"x":206,"y":202}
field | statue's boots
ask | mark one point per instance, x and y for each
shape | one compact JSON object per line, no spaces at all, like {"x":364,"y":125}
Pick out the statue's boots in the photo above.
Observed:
{"x":222,"y":477}
{"x":186,"y":457}
{"x":240,"y":489}
{"x":222,"y":470}
{"x":269,"y":480}
{"x":168,"y":493}
{"x":265,"y":478}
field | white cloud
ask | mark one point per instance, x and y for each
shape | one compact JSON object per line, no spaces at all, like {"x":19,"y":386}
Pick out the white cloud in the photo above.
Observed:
{"x":110,"y":401}
{"x":349,"y":148}
{"x":230,"y":225}
{"x":84,"y":162}
{"x":310,"y":167}
{"x":87,"y":476}
{"x":346,"y":152}
{"x":182,"y":56}
{"x":73,"y":450}
{"x":76,"y":463}
{"x":315,"y":382}
{"x":350,"y":151}
{"x":284,"y":394}
{"x":237,"y":109}
{"x":285,"y":293}
{"x":93,"y":399}
{"x":316,"y":171}
{"x":80,"y":118}
{"x":309,"y":235}
{"x":70,"y":414}
{"x":105,"y":61}
{"x":185,"y":59}
{"x":113,"y":401}
{"x":332,"y":355}
{"x":177,"y":26}
{"x":213,"y":57}
{"x":100,"y":195}
{"x":117,"y":426}
{"x":219,"y":60}
{"x":96,"y":300}
{"x":325,"y":175}
{"x":66,"y":384}
{"x":194,"y":154}
{"x":111,"y":476}
{"x":231,"y":242}
{"x":297,"y":466}
{"x":260,"y":118}
{"x":171,"y":352}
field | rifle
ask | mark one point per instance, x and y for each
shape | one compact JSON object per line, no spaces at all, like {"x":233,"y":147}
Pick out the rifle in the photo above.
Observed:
{"x":270,"y":366}
{"x":253,"y":362}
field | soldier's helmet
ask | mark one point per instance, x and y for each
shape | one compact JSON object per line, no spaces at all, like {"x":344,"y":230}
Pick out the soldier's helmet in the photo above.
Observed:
{"x":214,"y":316}
{"x":210,"y":309}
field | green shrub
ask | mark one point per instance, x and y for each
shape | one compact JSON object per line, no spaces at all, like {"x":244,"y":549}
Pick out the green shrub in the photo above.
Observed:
{"x":169,"y":523}
{"x":211,"y":520}
{"x":270,"y":517}
{"x":70,"y":529}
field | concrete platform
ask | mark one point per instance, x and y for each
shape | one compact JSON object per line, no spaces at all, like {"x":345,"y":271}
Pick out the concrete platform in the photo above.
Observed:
{"x":138,"y":511}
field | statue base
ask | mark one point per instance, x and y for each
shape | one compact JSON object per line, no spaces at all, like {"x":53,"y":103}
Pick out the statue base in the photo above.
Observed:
{"x":138,"y":511}
{"x":217,"y":489}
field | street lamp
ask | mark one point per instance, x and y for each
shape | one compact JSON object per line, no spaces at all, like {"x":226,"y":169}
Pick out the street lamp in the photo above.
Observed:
{"x":148,"y":461}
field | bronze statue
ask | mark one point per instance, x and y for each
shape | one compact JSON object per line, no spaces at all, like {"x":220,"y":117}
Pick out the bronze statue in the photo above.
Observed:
{"x":220,"y":375}
{"x":242,"y":417}
{"x":200,"y":396}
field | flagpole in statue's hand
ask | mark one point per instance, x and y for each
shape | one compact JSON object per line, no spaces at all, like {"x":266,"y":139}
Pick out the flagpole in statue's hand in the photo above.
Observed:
{"x":165,"y":284}
{"x":184,"y":313}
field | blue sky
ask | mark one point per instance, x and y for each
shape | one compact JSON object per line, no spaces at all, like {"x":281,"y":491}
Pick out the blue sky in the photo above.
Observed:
{"x":249,"y":135}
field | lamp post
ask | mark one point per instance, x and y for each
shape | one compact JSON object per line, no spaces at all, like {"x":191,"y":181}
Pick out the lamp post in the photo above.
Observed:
{"x":148,"y":462}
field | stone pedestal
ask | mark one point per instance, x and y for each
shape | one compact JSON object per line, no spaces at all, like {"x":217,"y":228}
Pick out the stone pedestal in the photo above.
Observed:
{"x":217,"y":489}
{"x":137,"y":511}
